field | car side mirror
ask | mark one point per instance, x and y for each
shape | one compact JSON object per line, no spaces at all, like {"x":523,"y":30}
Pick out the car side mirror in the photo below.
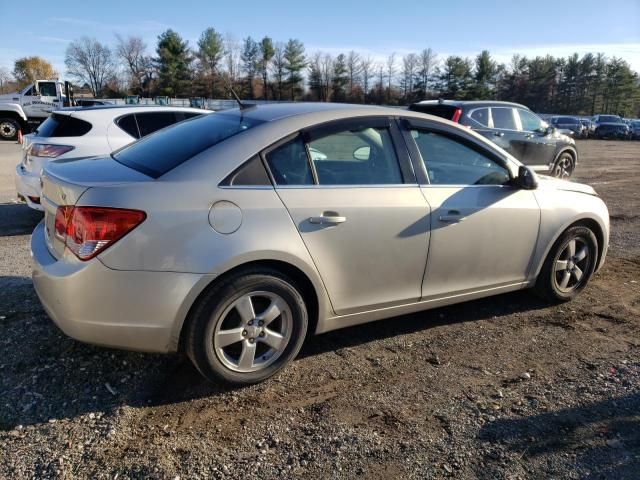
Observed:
{"x":551,"y":130}
{"x":526,"y":178}
{"x":362,"y":153}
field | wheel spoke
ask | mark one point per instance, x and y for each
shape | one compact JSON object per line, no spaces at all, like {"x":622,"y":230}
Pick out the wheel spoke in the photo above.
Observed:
{"x":224,"y":338}
{"x":565,"y":280}
{"x":272,"y":312}
{"x":247,"y":356}
{"x":274,"y":339}
{"x":571,"y":248}
{"x":582,"y":254}
{"x":561,"y":265}
{"x":245,"y":308}
{"x":577,"y":273}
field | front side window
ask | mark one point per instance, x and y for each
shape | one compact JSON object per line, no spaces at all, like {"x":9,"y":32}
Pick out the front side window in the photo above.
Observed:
{"x":530,"y":121}
{"x":450,"y":162}
{"x":503,"y":118}
{"x":47,"y":89}
{"x":363,"y":156}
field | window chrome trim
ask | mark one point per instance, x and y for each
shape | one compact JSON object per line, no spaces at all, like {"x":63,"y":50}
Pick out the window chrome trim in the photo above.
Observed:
{"x":326,"y":187}
{"x":456,"y":185}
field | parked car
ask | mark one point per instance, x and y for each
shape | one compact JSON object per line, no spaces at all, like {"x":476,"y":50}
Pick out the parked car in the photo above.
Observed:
{"x":514,"y":128}
{"x":634,"y":129}
{"x":610,"y":126}
{"x":588,"y":127}
{"x":223,"y":237}
{"x":90,"y":102}
{"x":570,"y":124}
{"x":82,"y":132}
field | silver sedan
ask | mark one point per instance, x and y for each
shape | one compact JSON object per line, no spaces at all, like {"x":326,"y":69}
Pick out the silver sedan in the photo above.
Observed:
{"x":232,"y":236}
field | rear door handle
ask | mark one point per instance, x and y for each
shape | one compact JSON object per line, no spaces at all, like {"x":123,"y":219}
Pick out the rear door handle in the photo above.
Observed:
{"x":453,"y":216}
{"x":328,"y":218}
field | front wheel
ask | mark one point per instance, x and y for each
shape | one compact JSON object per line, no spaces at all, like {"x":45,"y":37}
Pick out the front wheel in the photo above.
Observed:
{"x":564,"y":166}
{"x":247,"y":328}
{"x":9,"y":129}
{"x":569,"y":265}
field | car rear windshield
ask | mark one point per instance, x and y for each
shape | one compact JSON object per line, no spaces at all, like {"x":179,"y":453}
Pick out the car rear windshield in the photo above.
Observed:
{"x":439,"y":110}
{"x":567,"y":120}
{"x":160,"y":152}
{"x":63,"y":126}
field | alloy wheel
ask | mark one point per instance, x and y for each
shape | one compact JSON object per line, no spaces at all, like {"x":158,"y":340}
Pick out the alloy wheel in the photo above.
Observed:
{"x":571,"y":265}
{"x":253,"y":331}
{"x":564,"y":167}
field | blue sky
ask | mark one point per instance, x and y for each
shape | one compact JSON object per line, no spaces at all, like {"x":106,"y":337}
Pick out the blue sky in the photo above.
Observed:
{"x":376,"y":28}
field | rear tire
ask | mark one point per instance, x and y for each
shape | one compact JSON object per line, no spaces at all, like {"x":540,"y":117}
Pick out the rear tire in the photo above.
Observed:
{"x":568,"y":266}
{"x":9,"y":129}
{"x":247,"y":328}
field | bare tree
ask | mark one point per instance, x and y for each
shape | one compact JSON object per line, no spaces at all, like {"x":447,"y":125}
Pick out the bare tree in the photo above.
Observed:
{"x":5,"y":78}
{"x":354,"y":68}
{"x":391,"y":70}
{"x":428,"y":61}
{"x":409,"y":66}
{"x":232,"y":50}
{"x":367,"y":68}
{"x":278,"y":65}
{"x":90,"y":62}
{"x":132,"y":53}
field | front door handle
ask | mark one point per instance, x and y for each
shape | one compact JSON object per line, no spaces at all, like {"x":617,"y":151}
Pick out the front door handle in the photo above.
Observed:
{"x":328,"y":218}
{"x":499,"y":134}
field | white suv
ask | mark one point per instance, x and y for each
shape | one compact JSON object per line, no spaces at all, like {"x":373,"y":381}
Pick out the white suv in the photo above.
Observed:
{"x":85,"y":132}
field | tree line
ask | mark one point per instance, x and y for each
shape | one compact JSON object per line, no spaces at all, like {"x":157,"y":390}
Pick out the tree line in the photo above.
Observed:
{"x":273,"y":70}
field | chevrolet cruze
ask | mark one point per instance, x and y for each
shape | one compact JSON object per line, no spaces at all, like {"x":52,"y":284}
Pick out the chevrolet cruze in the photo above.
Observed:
{"x":231,"y":236}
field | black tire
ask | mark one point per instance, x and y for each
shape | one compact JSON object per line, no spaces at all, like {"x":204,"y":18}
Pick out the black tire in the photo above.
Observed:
{"x":564,"y":166}
{"x":210,"y":311}
{"x":548,"y":283}
{"x":9,"y":128}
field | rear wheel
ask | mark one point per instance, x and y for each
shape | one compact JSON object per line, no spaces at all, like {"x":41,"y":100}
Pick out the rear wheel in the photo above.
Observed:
{"x":564,"y":166}
{"x":9,"y":129}
{"x":247,"y":328}
{"x":569,"y":265}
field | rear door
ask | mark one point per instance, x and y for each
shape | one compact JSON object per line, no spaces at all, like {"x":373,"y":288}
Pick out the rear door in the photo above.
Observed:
{"x":358,"y":209}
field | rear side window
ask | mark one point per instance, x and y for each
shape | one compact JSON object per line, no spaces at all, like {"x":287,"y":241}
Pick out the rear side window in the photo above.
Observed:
{"x":503,"y":118}
{"x":157,"y":154}
{"x":129,"y":125}
{"x":154,"y":121}
{"x":63,"y":126}
{"x":480,"y":116}
{"x":289,"y":163}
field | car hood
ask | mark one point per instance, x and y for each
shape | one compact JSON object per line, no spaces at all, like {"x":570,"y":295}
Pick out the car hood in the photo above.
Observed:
{"x":549,"y":183}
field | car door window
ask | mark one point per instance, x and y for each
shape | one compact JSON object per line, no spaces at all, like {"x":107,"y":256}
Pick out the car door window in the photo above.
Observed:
{"x":450,"y":162}
{"x":503,"y":118}
{"x":47,"y":89}
{"x":480,"y":117}
{"x":289,"y":163}
{"x":154,"y":121}
{"x":530,"y":121}
{"x":361,"y":156}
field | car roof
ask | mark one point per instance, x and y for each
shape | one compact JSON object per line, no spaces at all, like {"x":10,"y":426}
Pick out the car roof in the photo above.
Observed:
{"x":117,"y":110}
{"x":471,"y":103}
{"x":276,"y":111}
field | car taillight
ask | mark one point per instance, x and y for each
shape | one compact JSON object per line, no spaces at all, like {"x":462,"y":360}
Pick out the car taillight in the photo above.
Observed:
{"x":87,"y":231}
{"x":456,"y":115}
{"x":48,"y":150}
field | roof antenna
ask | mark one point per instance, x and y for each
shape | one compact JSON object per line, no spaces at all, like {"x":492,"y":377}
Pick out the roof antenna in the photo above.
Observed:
{"x":243,"y":106}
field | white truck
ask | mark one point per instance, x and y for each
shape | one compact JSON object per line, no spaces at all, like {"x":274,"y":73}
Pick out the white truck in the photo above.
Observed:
{"x":23,"y":111}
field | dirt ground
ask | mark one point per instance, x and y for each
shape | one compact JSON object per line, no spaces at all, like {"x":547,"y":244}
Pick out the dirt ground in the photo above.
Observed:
{"x":502,"y":388}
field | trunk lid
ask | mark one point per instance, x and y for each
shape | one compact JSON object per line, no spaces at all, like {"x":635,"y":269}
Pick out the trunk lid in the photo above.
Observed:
{"x":65,"y":181}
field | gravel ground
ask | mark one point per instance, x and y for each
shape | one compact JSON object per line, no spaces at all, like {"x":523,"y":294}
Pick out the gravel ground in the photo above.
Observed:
{"x":506,"y":387}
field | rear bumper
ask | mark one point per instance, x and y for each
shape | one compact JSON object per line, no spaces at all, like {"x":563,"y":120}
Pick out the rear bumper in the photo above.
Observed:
{"x":28,"y":185}
{"x":131,"y":310}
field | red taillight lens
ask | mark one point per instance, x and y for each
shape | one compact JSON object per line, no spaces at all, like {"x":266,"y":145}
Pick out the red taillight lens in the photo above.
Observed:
{"x":48,"y":150}
{"x":456,"y":115}
{"x":87,"y":231}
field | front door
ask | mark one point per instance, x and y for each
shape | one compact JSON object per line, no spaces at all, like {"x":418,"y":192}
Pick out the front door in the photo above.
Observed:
{"x":360,"y":214}
{"x":483,"y":231}
{"x":541,"y":148}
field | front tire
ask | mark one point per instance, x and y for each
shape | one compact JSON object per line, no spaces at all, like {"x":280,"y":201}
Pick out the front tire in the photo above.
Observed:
{"x":247,"y":328}
{"x":569,"y":265}
{"x":9,"y":129}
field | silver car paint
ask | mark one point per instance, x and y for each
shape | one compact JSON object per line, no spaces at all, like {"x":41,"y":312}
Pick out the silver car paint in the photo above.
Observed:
{"x":178,"y":207}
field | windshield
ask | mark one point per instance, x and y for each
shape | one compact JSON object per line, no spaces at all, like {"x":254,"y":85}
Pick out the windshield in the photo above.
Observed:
{"x":610,"y":119}
{"x":164,"y":150}
{"x":567,"y":120}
